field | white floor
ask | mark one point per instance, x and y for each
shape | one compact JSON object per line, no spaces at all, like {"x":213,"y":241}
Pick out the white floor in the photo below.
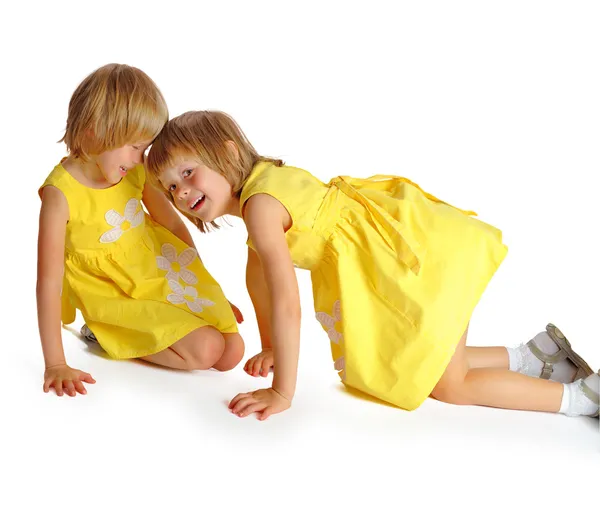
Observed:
{"x":492,"y":107}
{"x":144,"y":432}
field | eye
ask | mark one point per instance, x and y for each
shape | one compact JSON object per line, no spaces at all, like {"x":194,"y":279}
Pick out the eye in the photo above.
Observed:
{"x":171,"y":188}
{"x":187,"y":173}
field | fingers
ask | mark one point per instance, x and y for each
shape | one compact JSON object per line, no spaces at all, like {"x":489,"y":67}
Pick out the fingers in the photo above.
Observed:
{"x":256,"y":367}
{"x":239,"y":407}
{"x":247,"y":405}
{"x":257,"y":406}
{"x":239,"y":317}
{"x":58,"y":387}
{"x":69,"y":388}
{"x":239,"y":397}
{"x":267,"y":364}
{"x":238,"y":314}
{"x":241,"y":404}
{"x":264,"y":402}
{"x":264,"y":415}
{"x":79,"y":387}
{"x":86,"y":377}
{"x":250,"y":365}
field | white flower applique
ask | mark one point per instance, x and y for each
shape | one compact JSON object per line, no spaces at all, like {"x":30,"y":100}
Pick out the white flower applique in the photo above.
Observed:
{"x":328,"y":322}
{"x":340,"y":366}
{"x":175,"y":265}
{"x":187,"y":295}
{"x":121,"y":224}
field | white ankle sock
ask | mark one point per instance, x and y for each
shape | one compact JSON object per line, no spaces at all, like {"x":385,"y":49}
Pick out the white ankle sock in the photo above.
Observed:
{"x":575,"y":402}
{"x":566,"y":399}
{"x":522,"y":360}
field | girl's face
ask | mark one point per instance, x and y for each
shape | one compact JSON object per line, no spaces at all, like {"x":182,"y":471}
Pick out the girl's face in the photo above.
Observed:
{"x":198,"y":190}
{"x":114,"y":164}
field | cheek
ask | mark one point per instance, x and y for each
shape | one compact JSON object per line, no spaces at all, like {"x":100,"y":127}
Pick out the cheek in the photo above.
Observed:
{"x":105,"y":161}
{"x":196,"y":180}
{"x":114,"y":158}
{"x":179,"y":205}
{"x":225,"y":188}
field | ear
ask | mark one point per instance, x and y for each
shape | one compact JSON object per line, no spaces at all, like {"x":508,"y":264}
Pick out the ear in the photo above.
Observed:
{"x":233,"y":150}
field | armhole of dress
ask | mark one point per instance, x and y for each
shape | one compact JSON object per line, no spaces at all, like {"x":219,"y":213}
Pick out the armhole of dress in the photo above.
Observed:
{"x":49,"y":184}
{"x":285,"y":206}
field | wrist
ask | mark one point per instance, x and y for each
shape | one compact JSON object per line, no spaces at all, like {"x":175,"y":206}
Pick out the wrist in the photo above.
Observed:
{"x":283,"y":394}
{"x":55,"y":365}
{"x":283,"y":391}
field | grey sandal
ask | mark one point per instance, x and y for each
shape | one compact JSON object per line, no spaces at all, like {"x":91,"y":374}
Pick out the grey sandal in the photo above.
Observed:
{"x":86,"y":332}
{"x":565,"y":351}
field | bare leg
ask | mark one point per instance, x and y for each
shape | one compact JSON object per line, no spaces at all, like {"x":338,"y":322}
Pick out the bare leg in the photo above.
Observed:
{"x":198,"y":350}
{"x":495,"y":387}
{"x":487,"y":357}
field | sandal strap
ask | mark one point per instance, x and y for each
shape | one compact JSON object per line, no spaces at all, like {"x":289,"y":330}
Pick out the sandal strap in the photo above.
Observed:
{"x":547,"y":371}
{"x":549,"y":360}
{"x":590,"y":394}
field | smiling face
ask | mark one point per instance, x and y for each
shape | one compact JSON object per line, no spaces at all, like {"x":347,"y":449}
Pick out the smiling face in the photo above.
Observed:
{"x":114,"y":164}
{"x":198,"y":191}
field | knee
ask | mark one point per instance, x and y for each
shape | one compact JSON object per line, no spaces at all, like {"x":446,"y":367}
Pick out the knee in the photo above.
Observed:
{"x":233,"y":353}
{"x":451,"y":393}
{"x":206,"y":349}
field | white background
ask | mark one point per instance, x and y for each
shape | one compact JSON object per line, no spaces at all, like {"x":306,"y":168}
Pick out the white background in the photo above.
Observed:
{"x":492,"y":106}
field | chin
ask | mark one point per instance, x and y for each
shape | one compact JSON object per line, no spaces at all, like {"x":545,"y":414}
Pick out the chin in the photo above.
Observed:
{"x":194,"y":215}
{"x":204,"y":218}
{"x":115,"y":178}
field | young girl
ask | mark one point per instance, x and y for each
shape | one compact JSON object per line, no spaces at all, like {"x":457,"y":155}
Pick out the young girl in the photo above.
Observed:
{"x":396,"y":274}
{"x":136,"y":278}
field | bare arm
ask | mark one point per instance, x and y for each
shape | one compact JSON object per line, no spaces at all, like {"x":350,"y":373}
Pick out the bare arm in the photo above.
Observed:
{"x":165,"y":214}
{"x":265,"y":218}
{"x":259,"y":295}
{"x":54,"y":215}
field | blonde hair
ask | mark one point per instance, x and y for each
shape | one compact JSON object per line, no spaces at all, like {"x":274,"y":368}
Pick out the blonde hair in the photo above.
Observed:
{"x":204,"y":136}
{"x":113,"y":106}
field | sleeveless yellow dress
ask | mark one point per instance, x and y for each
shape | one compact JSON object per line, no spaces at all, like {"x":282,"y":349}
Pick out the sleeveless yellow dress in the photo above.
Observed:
{"x":138,"y":286}
{"x":396,"y":273}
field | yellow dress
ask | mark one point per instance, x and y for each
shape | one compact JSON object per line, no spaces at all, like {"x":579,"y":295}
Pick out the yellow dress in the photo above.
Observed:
{"x":396,"y":273}
{"x":138,"y":286}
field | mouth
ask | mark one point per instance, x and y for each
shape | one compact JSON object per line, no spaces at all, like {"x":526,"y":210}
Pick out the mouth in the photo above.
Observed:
{"x":123,"y":170}
{"x":197,"y":203}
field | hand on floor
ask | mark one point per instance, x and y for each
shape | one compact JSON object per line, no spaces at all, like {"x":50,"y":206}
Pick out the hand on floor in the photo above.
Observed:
{"x":265,"y":402}
{"x":66,"y":379}
{"x":260,"y":364}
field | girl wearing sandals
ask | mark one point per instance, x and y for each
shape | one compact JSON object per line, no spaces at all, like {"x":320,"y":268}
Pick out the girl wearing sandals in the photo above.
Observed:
{"x":396,"y":275}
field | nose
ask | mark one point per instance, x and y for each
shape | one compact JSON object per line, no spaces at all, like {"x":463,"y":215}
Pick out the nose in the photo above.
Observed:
{"x":181,"y":193}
